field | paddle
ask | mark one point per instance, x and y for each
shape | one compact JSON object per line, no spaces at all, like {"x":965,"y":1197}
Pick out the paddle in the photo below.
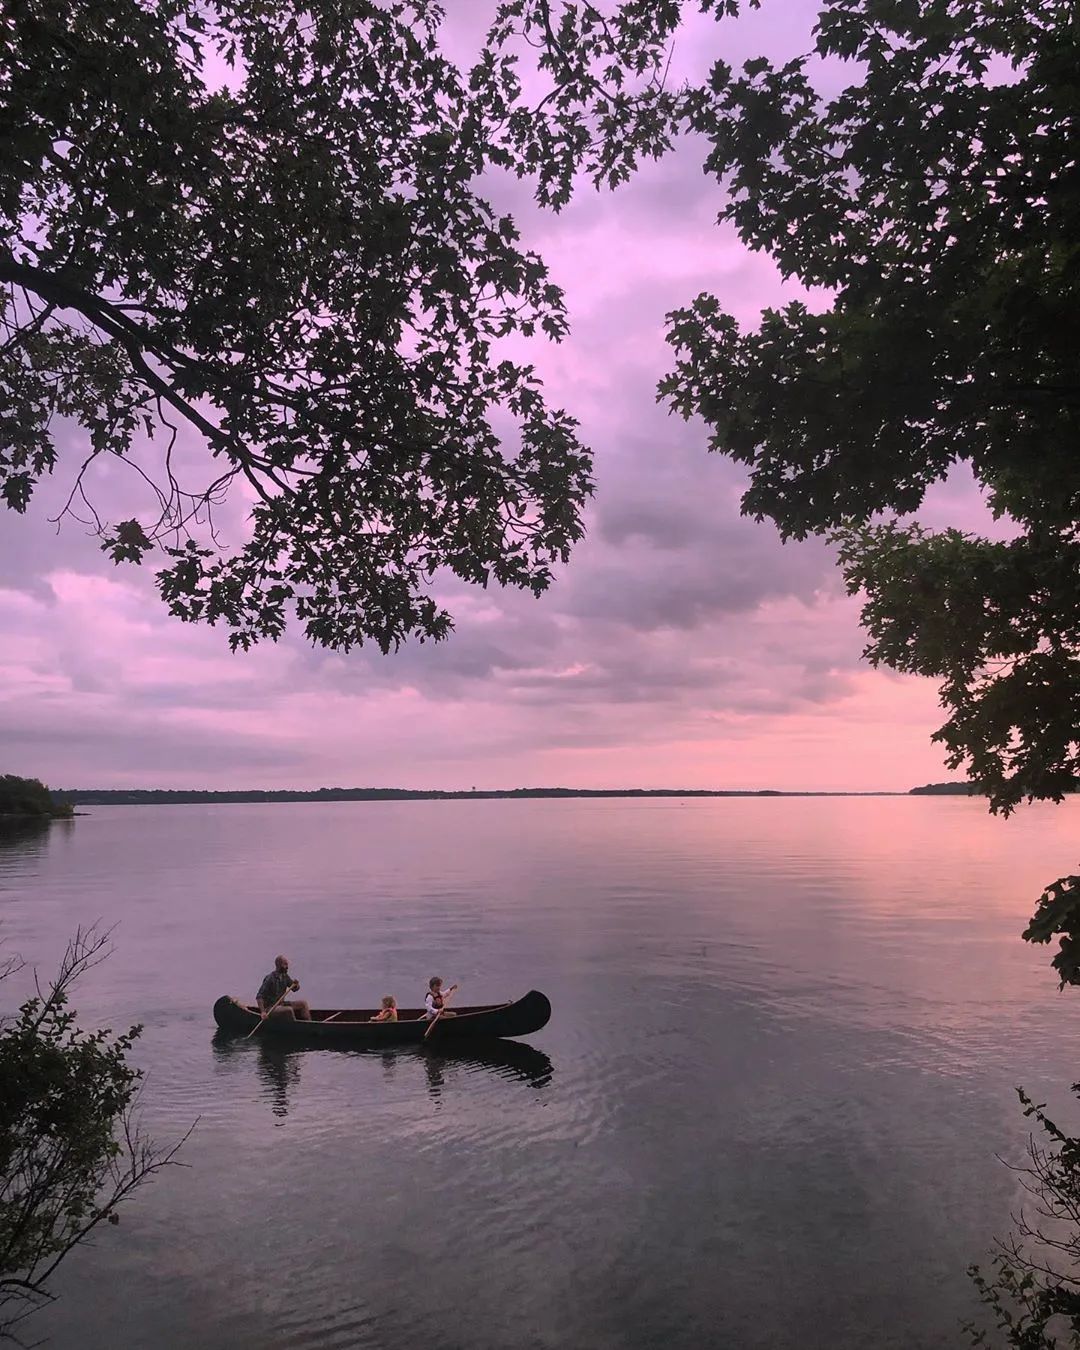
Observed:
{"x":448,"y":995}
{"x":258,"y":1024}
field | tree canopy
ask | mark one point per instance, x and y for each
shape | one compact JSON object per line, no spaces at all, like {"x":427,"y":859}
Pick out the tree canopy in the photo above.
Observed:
{"x":30,"y":798}
{"x":253,"y":230}
{"x":936,"y":201}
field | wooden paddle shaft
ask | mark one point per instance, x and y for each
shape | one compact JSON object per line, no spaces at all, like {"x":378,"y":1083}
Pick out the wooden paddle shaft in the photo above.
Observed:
{"x":261,"y":1020}
{"x":448,"y":995}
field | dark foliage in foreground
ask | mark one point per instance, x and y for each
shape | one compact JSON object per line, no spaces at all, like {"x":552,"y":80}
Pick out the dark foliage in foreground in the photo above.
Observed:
{"x":70,"y":1149}
{"x":1033,"y":1291}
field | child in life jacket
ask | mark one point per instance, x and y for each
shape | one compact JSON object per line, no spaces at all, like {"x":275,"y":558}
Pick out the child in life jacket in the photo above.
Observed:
{"x":435,"y":1000}
{"x":389,"y":1010}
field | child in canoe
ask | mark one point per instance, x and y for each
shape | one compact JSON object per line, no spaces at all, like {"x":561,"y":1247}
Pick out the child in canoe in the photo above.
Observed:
{"x":434,"y":1003}
{"x":389,"y":1010}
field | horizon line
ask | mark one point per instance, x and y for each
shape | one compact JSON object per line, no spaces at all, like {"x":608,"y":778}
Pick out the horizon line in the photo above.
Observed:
{"x":501,"y":792}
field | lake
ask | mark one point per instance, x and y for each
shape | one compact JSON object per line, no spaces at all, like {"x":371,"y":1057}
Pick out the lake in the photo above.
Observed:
{"x":765,"y":1113}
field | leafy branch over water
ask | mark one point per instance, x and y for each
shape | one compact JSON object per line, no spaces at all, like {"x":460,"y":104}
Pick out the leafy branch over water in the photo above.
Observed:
{"x":1033,"y":1293}
{"x":242,"y":249}
{"x":71,"y":1150}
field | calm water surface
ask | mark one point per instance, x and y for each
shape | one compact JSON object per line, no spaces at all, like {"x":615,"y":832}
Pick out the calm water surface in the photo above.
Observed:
{"x":765,"y":1112}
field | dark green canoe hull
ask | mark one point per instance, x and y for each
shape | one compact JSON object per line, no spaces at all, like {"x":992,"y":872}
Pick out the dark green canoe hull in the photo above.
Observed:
{"x":352,"y":1026}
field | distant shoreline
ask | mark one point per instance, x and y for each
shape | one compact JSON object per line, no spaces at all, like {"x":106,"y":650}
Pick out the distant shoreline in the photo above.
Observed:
{"x":181,"y":797}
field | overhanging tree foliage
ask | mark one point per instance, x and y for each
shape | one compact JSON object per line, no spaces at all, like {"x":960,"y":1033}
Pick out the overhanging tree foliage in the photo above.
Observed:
{"x":936,"y":199}
{"x":254,"y":229}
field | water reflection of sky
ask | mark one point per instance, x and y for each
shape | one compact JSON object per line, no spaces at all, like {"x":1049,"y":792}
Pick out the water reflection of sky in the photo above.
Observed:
{"x":765,"y":1112}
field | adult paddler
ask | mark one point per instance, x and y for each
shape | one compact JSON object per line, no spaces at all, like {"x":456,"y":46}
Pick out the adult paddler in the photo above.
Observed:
{"x":277,"y":983}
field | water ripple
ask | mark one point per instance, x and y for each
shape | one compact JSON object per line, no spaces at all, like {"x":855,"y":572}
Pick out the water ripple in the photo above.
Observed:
{"x":784,"y":1039}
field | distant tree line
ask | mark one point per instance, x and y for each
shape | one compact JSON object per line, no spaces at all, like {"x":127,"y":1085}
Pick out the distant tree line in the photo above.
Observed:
{"x":179,"y":797}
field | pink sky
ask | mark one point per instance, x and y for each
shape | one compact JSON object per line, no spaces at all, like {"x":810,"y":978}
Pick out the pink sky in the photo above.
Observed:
{"x":683,"y":646}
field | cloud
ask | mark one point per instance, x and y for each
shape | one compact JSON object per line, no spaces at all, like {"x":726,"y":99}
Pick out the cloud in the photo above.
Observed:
{"x":683,"y":645}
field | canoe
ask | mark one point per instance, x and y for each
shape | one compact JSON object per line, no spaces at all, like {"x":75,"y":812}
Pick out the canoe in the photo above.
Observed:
{"x":353,"y":1026}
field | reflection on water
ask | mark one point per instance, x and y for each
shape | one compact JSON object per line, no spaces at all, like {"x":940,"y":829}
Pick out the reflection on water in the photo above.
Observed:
{"x":280,"y":1066}
{"x":279,"y":1074}
{"x":503,"y":1059}
{"x":765,"y":1113}
{"x":29,"y":837}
